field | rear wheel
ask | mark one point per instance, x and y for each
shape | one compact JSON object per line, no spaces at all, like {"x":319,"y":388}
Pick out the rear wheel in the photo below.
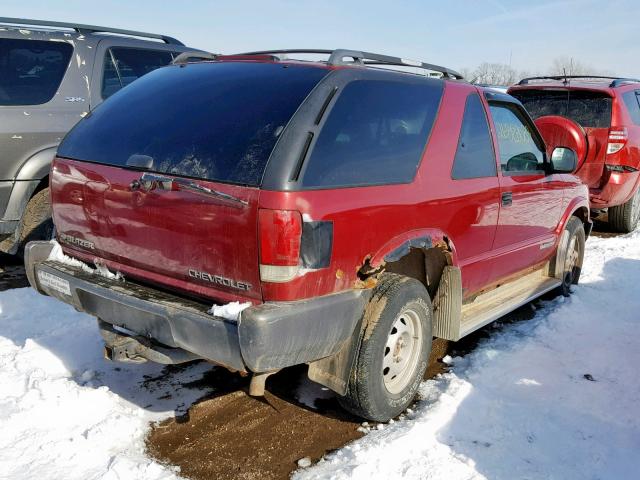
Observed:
{"x":573,"y":255}
{"x":625,"y":218}
{"x":394,"y":350}
{"x":36,"y":223}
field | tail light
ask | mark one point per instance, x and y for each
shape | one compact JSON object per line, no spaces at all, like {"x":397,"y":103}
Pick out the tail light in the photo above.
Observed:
{"x":617,"y":139}
{"x":280,"y":236}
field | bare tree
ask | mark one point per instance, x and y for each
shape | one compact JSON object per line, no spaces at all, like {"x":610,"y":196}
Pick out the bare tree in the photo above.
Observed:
{"x":570,"y":66}
{"x":492,"y":74}
{"x":466,"y":73}
{"x":503,"y":74}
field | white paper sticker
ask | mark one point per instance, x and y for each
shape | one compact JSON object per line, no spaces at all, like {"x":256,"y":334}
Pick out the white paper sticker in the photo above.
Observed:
{"x":53,"y":282}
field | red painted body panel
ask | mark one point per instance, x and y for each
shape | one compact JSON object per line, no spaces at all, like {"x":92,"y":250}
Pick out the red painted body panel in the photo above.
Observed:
{"x":160,"y":235}
{"x":529,"y":223}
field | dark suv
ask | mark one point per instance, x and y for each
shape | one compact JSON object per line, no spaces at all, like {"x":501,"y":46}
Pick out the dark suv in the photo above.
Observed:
{"x":338,"y":214}
{"x":607,"y":113}
{"x":51,"y":75}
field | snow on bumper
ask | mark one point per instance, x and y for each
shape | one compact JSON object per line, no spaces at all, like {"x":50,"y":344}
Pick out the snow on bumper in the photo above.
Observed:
{"x":265,"y":337}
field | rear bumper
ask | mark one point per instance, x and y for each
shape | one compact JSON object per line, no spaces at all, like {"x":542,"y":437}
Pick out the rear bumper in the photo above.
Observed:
{"x":617,"y":189}
{"x":267,"y":337}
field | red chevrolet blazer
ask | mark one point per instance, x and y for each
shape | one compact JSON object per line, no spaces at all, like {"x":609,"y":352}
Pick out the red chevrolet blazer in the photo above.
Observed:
{"x":353,"y":212}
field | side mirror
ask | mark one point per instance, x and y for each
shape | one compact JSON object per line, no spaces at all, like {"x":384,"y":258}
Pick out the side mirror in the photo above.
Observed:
{"x":563,"y":160}
{"x":523,"y":162}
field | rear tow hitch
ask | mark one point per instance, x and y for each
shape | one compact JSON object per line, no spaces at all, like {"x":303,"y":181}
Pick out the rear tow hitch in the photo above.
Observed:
{"x":122,"y":347}
{"x":123,"y":352}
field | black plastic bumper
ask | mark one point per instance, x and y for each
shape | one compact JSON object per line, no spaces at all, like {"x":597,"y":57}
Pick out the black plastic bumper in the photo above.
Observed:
{"x":267,"y":337}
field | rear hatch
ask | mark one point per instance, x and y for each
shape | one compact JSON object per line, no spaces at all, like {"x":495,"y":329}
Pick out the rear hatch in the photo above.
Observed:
{"x":162,"y":180}
{"x":591,"y":109}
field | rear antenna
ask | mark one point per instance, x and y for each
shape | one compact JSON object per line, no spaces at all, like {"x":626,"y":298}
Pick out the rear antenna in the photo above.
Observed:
{"x":566,"y":83}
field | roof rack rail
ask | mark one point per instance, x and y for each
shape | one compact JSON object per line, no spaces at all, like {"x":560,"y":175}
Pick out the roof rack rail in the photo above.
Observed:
{"x":338,"y":56}
{"x":80,"y":28}
{"x":615,"y":81}
{"x":193,"y":55}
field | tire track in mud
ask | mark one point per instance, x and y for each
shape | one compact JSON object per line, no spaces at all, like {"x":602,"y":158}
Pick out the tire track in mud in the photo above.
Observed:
{"x":228,"y":434}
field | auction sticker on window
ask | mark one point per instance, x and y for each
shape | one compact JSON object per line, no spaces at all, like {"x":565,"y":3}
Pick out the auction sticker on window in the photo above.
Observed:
{"x":56,"y":283}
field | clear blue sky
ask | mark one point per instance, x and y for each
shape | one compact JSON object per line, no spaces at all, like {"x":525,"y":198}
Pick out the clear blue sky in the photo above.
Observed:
{"x":454,"y":33}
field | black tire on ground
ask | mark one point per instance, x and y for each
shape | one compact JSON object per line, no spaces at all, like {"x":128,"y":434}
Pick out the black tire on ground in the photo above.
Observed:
{"x":574,"y":255}
{"x":624,"y":218}
{"x":399,"y":315}
{"x":36,"y":223}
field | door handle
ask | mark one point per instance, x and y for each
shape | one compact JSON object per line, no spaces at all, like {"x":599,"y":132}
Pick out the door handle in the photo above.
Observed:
{"x":507,"y":199}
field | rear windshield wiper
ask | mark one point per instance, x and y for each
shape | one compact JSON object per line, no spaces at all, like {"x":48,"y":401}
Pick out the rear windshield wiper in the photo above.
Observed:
{"x":152,"y":181}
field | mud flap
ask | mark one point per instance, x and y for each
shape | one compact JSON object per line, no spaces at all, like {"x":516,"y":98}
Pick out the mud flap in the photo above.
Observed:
{"x":447,"y":305}
{"x":333,"y":372}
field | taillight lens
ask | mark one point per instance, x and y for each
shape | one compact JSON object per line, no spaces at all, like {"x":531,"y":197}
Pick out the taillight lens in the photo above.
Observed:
{"x":280,"y":236}
{"x":617,"y":139}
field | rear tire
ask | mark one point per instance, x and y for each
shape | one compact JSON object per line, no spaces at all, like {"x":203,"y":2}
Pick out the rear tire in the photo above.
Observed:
{"x":394,"y":350}
{"x":574,"y":255}
{"x":36,"y":223}
{"x":625,"y":218}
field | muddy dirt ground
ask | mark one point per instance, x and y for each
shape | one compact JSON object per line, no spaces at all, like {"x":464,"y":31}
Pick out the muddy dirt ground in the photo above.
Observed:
{"x":11,"y":273}
{"x":228,"y":434}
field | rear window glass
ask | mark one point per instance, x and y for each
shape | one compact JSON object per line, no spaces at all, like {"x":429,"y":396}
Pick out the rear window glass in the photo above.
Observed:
{"x":375,"y":134}
{"x":632,"y":101}
{"x":124,"y":65}
{"x":213,"y":121}
{"x":589,"y":109}
{"x":31,"y":70}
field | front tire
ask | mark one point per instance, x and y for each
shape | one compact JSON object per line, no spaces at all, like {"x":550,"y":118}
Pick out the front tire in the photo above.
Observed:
{"x":394,"y":349}
{"x":573,"y":256}
{"x":625,"y":218}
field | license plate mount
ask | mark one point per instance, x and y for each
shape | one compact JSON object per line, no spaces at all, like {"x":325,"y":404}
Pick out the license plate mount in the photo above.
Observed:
{"x":53,"y":282}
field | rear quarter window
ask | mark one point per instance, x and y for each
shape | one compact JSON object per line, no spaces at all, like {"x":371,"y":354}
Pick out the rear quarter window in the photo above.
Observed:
{"x":31,"y":70}
{"x":632,"y":101}
{"x":475,"y":157}
{"x":123,"y":65}
{"x":375,"y":134}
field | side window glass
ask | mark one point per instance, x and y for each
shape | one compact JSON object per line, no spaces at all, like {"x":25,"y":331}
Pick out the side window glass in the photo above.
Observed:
{"x":110,"y":79}
{"x":519,"y":151}
{"x":632,"y":101}
{"x":374,"y":135}
{"x":130,"y":64}
{"x":31,"y":71}
{"x":474,"y":157}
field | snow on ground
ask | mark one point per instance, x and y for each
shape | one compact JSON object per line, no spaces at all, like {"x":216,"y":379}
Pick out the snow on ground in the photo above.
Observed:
{"x":553,"y":397}
{"x":65,"y":412}
{"x":556,"y":397}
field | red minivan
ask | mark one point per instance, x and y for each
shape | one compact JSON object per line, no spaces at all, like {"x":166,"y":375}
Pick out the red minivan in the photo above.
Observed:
{"x":353,"y":212}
